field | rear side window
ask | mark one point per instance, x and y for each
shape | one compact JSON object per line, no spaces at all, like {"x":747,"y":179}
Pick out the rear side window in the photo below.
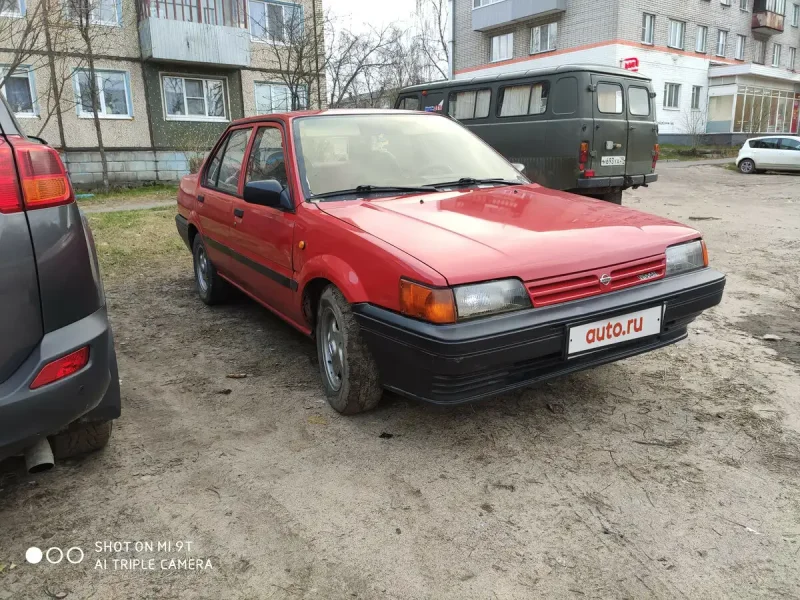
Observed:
{"x":523,"y":100}
{"x":609,"y":98}
{"x":565,"y":96}
{"x":469,"y":105}
{"x":409,"y":103}
{"x":224,"y":173}
{"x":769,"y":143}
{"x":639,"y":101}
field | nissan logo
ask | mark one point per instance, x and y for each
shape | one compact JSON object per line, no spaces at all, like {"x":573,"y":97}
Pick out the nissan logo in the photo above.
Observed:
{"x":605,"y":279}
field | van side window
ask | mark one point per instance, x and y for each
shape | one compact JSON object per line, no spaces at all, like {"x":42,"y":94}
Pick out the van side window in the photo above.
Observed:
{"x":565,"y":96}
{"x":639,"y":101}
{"x":609,"y":98}
{"x":409,"y":103}
{"x":523,"y":100}
{"x":469,"y":105}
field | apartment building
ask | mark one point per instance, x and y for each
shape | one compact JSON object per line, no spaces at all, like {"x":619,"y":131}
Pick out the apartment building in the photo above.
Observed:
{"x":171,"y":75}
{"x":728,"y":68}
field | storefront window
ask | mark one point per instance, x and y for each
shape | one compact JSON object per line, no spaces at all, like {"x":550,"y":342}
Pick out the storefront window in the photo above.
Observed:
{"x":761,"y":110}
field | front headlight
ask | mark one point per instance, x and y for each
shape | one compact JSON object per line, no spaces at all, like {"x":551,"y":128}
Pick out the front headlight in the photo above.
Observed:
{"x":686,"y":257}
{"x":482,"y":299}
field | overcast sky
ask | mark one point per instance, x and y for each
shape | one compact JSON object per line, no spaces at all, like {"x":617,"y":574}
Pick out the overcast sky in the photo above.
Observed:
{"x":360,"y":14}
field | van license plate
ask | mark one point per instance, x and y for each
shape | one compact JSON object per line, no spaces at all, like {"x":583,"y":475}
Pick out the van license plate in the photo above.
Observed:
{"x":612,"y":161}
{"x":615,"y":330}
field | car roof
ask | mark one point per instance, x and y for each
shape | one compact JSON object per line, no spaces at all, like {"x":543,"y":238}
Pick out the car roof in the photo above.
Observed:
{"x":775,"y":135}
{"x":288,"y":116}
{"x":602,"y":69}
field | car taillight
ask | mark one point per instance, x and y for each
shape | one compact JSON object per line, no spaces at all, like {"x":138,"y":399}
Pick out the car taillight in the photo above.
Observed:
{"x":9,"y":188}
{"x":655,"y":155}
{"x":62,"y":367}
{"x":583,"y":155}
{"x":42,"y":176}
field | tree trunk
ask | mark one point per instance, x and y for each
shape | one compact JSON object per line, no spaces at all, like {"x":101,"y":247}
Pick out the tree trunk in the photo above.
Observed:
{"x":54,"y":83}
{"x":95,"y":116}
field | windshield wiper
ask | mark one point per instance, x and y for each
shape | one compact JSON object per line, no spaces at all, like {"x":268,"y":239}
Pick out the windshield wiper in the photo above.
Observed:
{"x":375,"y":189}
{"x":474,"y":181}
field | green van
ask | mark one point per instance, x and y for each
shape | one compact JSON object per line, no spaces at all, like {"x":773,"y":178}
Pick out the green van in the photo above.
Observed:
{"x":586,"y":129}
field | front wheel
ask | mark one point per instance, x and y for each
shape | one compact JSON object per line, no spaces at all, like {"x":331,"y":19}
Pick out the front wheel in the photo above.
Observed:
{"x":747,"y":166}
{"x":348,"y":370}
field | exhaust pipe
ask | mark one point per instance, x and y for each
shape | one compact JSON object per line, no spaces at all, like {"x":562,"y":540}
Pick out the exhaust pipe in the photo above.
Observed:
{"x":39,"y":457}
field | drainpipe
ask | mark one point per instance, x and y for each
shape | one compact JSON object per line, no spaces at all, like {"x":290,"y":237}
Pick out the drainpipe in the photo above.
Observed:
{"x":451,"y":43}
{"x":316,"y":52}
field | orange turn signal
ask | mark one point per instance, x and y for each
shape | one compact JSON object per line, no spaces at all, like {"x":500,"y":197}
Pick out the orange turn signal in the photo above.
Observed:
{"x":705,"y":253}
{"x":433,"y":305}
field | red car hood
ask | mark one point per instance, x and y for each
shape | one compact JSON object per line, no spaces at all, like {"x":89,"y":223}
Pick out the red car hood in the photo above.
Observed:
{"x":528,"y":231}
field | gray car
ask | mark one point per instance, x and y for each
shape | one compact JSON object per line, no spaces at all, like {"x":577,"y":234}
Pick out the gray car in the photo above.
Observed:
{"x":59,"y":386}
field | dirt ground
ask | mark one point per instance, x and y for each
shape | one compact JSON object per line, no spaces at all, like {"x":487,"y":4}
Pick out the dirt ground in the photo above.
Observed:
{"x":671,"y":475}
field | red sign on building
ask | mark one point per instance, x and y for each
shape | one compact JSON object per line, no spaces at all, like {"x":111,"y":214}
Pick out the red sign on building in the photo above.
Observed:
{"x":630,"y":64}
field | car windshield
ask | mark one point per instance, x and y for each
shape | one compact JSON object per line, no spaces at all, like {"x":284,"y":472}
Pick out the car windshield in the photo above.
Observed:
{"x":345,"y":152}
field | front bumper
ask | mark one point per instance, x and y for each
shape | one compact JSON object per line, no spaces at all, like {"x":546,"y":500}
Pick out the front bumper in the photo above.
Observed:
{"x":451,"y":364}
{"x":623,"y":181}
{"x":91,"y":394}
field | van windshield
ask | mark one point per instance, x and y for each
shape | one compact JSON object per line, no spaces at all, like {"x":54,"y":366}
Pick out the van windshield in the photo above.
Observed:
{"x":343,"y":152}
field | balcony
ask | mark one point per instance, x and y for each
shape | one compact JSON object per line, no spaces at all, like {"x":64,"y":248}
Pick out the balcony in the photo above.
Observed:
{"x":489,"y":14}
{"x":767,"y":20}
{"x":195,"y":31}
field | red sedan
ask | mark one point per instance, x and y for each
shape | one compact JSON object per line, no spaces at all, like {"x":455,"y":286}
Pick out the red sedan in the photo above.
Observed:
{"x":422,"y":262}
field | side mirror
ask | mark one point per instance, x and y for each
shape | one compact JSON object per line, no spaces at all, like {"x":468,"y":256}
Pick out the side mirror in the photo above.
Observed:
{"x":519,"y":167}
{"x":268,"y":193}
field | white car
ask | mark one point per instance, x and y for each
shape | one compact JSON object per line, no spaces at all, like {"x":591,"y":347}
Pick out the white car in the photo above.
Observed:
{"x":777,"y":152}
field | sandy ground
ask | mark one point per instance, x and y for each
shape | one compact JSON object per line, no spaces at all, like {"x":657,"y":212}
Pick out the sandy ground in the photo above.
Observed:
{"x":671,"y":475}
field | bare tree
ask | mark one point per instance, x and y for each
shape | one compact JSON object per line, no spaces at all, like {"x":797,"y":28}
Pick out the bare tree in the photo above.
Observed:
{"x":433,"y":19}
{"x":693,"y":123}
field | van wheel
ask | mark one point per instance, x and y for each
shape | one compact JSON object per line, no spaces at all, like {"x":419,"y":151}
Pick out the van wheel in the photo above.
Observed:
{"x":614,"y":197}
{"x":747,"y":166}
{"x":348,"y":370}
{"x":81,"y":439}
{"x":211,"y":288}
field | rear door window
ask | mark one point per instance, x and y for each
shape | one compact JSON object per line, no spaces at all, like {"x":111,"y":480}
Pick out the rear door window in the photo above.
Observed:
{"x":609,"y":98}
{"x":523,"y":100}
{"x":409,"y":103}
{"x":473,"y":104}
{"x":230,"y":167}
{"x":639,"y":101}
{"x":790,"y":144}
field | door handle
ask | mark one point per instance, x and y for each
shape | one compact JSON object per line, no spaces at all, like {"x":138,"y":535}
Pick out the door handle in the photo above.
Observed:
{"x":631,"y":128}
{"x":238,"y":212}
{"x":201,"y":198}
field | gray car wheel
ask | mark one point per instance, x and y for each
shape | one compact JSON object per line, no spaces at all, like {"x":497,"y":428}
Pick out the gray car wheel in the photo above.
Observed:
{"x":747,"y":166}
{"x":211,"y":288}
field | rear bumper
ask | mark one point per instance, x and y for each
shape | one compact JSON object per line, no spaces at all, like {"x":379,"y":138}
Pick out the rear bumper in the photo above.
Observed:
{"x":469,"y":361}
{"x":91,"y":394}
{"x":594,"y":183}
{"x":183,"y":229}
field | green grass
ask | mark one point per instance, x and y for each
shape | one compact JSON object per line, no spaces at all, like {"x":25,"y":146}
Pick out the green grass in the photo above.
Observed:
{"x":676,"y":152}
{"x":136,"y":240}
{"x":146,"y":192}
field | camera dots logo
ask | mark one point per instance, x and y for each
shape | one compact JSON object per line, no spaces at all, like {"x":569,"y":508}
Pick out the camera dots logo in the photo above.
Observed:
{"x":54,"y":555}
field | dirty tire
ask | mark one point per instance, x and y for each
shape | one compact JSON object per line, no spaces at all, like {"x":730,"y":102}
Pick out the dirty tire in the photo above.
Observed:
{"x":747,"y":166}
{"x":359,"y":387}
{"x":77,"y":440}
{"x":211,"y":288}
{"x":614,"y":197}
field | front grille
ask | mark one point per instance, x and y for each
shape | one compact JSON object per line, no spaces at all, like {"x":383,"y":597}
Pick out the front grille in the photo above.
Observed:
{"x":565,"y":288}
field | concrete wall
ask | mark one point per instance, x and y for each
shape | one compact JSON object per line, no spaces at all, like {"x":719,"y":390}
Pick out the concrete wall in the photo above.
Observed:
{"x":128,"y":167}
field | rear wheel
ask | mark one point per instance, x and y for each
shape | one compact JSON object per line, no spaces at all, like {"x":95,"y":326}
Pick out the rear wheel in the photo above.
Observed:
{"x":81,"y":439}
{"x":614,"y":197}
{"x":348,"y":370}
{"x":747,"y":166}
{"x":211,"y":288}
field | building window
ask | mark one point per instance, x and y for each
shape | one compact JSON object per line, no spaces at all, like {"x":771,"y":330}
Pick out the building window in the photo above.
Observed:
{"x":19,"y":90}
{"x":795,"y":15}
{"x":275,"y":22}
{"x":759,"y":51}
{"x":479,"y":3}
{"x":672,"y":95}
{"x":696,"y":91}
{"x":777,"y":6}
{"x":523,"y":100}
{"x":502,"y":47}
{"x":113,"y":90}
{"x":676,"y":31}
{"x":277,"y":97}
{"x":100,"y":12}
{"x":702,"y":39}
{"x":543,"y":38}
{"x":12,"y":8}
{"x":648,"y":28}
{"x":469,"y":105}
{"x":725,"y":2}
{"x":763,"y":110}
{"x":740,"y":44}
{"x":193,"y":98}
{"x":722,"y":42}
{"x":776,"y":55}
{"x":792,"y":58}
{"x":743,"y":5}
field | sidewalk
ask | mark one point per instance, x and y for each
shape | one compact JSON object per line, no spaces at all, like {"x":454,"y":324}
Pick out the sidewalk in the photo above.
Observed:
{"x":128,"y":206}
{"x":695,"y":163}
